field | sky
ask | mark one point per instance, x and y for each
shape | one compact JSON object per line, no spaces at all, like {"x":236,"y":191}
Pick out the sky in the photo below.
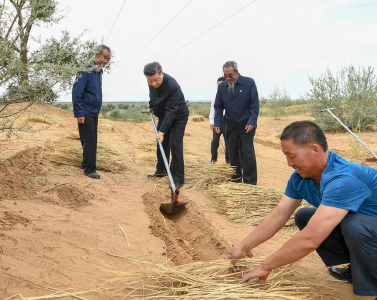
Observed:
{"x":278,"y":43}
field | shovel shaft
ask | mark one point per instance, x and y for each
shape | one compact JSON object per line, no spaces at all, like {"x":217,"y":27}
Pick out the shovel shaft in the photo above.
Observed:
{"x":346,"y":128}
{"x":163,"y":156}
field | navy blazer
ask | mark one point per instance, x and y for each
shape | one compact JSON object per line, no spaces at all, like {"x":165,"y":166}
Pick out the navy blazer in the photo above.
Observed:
{"x":87,"y":93}
{"x":241,"y":106}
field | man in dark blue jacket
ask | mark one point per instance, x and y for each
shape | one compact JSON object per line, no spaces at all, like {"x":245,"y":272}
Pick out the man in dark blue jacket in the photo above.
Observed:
{"x":238,"y":95}
{"x":168,"y":103}
{"x":87,"y":102}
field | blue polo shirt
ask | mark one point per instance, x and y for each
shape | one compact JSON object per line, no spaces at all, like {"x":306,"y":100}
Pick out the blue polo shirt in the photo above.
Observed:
{"x":241,"y":106}
{"x":87,"y":93}
{"x":343,"y":184}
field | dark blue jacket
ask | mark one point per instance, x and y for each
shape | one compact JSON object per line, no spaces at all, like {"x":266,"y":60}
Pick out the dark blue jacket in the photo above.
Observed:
{"x":87,"y":93}
{"x":167,"y":102}
{"x":241,"y":106}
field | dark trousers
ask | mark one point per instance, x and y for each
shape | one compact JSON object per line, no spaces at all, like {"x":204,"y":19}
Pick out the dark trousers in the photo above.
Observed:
{"x":215,"y":144}
{"x":353,"y":241}
{"x":173,"y":142}
{"x":88,"y":138}
{"x":238,"y":138}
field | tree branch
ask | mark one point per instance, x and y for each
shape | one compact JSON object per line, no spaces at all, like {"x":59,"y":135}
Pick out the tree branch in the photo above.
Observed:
{"x":11,"y":26}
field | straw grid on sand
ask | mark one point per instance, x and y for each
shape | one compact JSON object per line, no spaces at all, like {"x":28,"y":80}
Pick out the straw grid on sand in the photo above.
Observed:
{"x":206,"y":280}
{"x":245,"y":203}
{"x":199,"y":281}
{"x":68,"y":151}
{"x":201,"y":175}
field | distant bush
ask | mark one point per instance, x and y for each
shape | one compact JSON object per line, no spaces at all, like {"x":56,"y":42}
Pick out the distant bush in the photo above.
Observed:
{"x":124,"y":106}
{"x":199,"y":108}
{"x":352,"y":93}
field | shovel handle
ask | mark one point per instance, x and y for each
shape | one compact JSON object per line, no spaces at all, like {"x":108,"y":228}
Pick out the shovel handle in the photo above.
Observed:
{"x":163,"y":156}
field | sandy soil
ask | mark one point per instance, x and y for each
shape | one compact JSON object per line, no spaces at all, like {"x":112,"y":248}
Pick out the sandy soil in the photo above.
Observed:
{"x":62,"y":230}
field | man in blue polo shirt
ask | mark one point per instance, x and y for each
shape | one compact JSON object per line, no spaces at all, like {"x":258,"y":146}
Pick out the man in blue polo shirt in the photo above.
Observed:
{"x":342,"y":225}
{"x":87,"y":103}
{"x":238,"y":95}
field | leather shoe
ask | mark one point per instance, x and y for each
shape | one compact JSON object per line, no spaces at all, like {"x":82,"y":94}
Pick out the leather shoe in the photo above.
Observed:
{"x":343,"y":274}
{"x":157,"y":175}
{"x":93,"y":175}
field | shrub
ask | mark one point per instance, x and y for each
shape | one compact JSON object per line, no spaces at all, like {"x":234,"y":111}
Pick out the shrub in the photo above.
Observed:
{"x":352,"y":93}
{"x":279,"y":100}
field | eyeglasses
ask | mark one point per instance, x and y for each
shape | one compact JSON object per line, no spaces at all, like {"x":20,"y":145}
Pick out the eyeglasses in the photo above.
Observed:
{"x":230,"y":75}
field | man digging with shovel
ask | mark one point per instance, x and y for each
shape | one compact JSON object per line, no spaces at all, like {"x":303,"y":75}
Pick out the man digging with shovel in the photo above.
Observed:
{"x":168,"y":103}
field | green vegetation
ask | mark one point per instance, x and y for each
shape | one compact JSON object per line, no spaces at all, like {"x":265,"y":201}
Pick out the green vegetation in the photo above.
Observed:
{"x":35,"y":74}
{"x":353,"y":95}
{"x":199,"y":108}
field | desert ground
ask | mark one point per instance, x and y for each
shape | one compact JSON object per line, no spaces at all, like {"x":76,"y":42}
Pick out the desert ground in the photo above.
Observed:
{"x":63,"y":231}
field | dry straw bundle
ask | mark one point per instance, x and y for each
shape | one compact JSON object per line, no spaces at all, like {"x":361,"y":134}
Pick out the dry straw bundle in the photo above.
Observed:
{"x":196,"y":281}
{"x":244,"y":202}
{"x":204,"y":280}
{"x":201,"y":175}
{"x":66,"y":151}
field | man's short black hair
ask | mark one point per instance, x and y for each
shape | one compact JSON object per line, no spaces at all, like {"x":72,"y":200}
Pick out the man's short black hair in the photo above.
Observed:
{"x":220,"y":79}
{"x":303,"y":133}
{"x":152,"y":68}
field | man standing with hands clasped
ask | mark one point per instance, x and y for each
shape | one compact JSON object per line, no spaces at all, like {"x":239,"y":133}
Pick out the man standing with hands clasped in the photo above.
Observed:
{"x":87,"y":103}
{"x":238,"y":95}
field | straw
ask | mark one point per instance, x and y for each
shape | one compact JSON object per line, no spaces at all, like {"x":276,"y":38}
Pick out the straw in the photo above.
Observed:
{"x":207,"y":280}
{"x":201,"y":175}
{"x":245,"y":203}
{"x":68,"y":152}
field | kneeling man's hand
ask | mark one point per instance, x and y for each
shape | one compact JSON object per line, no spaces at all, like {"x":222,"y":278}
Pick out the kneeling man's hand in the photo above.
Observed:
{"x":259,"y":272}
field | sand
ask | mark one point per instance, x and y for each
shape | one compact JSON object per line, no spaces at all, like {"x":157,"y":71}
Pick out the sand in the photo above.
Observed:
{"x":62,"y":230}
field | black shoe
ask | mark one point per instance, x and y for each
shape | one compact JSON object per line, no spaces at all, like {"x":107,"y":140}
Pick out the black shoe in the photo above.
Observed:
{"x":93,"y":175}
{"x":343,"y":274}
{"x":157,"y":175}
{"x":212,"y":161}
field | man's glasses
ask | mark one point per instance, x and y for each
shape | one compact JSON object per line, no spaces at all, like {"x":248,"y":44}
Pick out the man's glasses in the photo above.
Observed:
{"x":229,"y":75}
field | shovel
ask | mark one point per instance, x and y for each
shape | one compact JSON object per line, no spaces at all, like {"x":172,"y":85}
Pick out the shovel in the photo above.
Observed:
{"x":175,"y":206}
{"x":329,"y":110}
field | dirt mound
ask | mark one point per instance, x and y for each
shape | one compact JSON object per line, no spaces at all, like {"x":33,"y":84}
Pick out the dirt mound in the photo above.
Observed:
{"x":16,"y":172}
{"x":68,"y":196}
{"x":9,"y":220}
{"x":188,"y":236}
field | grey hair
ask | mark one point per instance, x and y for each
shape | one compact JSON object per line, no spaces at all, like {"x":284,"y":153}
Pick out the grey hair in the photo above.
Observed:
{"x":232,"y":64}
{"x":100,"y":49}
{"x":152,"y":68}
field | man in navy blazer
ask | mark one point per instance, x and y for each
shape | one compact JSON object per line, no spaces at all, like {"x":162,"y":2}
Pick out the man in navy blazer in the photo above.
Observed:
{"x":87,"y":103}
{"x":238,"y":95}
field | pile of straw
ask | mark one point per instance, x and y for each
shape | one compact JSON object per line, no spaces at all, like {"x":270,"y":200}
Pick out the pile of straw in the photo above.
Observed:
{"x":197,"y":281}
{"x":201,"y":175}
{"x":245,"y":203}
{"x":204,"y":280}
{"x":68,"y":151}
{"x":147,"y":145}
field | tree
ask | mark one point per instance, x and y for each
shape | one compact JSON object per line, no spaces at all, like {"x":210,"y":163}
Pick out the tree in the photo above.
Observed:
{"x":353,"y":94}
{"x":30,"y":75}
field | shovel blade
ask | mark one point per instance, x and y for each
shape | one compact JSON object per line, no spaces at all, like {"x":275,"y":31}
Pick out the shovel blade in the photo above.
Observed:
{"x":171,"y":208}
